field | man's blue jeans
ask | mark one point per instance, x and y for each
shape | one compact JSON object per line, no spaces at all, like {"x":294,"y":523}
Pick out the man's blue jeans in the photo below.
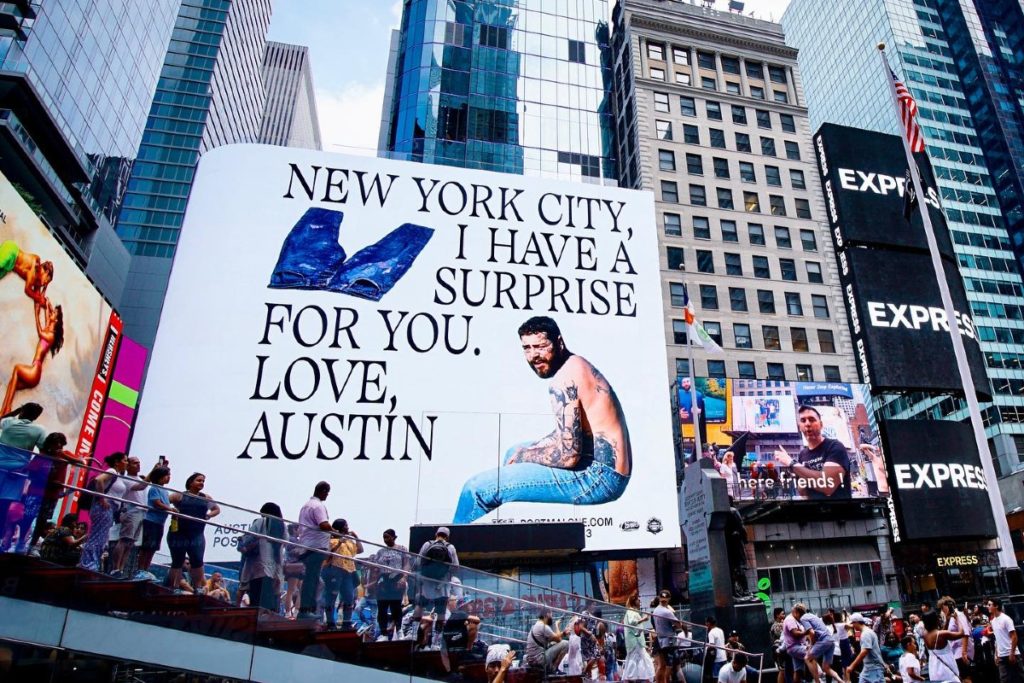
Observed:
{"x":532,"y":483}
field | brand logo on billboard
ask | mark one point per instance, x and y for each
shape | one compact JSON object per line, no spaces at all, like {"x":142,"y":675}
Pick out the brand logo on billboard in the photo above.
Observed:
{"x":654,"y":525}
{"x":938,"y":475}
{"x":914,"y":317}
{"x":629,"y":526}
{"x":108,"y":354}
{"x":958,"y":561}
{"x":880,"y":184}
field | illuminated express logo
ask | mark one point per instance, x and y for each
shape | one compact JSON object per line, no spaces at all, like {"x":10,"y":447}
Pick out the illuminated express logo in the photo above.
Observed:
{"x":940,"y":475}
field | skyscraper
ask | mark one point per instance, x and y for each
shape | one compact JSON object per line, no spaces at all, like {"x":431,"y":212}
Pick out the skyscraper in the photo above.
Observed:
{"x":75,"y":87}
{"x":518,"y":86}
{"x":289,"y":116}
{"x":210,"y":93}
{"x":959,"y":60}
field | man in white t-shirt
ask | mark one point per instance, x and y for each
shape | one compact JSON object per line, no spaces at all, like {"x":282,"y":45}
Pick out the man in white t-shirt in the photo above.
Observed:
{"x":716,"y":641}
{"x":910,"y":665}
{"x":735,"y":671}
{"x":133,"y":509}
{"x":1005,"y":634}
{"x":314,"y":535}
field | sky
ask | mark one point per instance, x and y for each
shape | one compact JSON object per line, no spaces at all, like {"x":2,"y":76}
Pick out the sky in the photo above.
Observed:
{"x":348,"y":43}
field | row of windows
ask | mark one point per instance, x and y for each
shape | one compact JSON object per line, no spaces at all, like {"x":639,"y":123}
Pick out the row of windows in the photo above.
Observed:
{"x":977,"y":239}
{"x":706,"y":60}
{"x":824,"y":577}
{"x":1005,"y":360}
{"x":980,"y":262}
{"x":722,"y":169}
{"x":672,"y":224}
{"x":710,"y":83}
{"x":713,"y":109}
{"x":748,"y":370}
{"x":991,"y":309}
{"x":683,"y":74}
{"x":738,"y":300}
{"x":725,"y":200}
{"x":974,"y":284}
{"x":1001,"y":335}
{"x":716,"y":139}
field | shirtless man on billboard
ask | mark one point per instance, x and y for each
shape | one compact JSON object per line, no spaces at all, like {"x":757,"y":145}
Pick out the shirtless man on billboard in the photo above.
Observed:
{"x":585,"y":460}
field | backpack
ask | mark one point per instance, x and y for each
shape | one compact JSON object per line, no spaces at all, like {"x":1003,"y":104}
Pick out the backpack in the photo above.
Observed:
{"x":435,"y":561}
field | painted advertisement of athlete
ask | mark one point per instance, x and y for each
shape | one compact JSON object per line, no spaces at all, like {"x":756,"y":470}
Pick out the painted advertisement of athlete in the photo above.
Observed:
{"x":441,"y":345}
{"x":54,"y":321}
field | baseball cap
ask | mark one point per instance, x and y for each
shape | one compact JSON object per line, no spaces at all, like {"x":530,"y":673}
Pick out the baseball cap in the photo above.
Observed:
{"x":858,"y":618}
{"x":443,"y":531}
{"x":733,"y":633}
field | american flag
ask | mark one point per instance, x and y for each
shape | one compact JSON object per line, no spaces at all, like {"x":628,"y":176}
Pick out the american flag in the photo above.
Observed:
{"x":908,"y":113}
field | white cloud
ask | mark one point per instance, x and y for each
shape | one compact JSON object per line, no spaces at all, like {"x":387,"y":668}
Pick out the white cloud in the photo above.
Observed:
{"x":350,"y":118}
{"x":396,"y":14}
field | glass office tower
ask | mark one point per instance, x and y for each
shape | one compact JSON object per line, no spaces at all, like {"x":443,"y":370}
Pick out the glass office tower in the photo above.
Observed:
{"x":961,"y":60}
{"x":517,"y":86}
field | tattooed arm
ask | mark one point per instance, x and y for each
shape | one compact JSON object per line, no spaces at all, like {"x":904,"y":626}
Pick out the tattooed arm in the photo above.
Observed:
{"x":563,"y":447}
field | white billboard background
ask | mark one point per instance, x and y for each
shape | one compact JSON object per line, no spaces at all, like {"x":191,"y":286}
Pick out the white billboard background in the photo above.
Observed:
{"x":202,"y":407}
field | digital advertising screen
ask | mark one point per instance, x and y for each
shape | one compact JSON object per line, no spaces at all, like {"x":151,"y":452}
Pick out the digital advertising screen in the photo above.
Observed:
{"x":55,"y":322}
{"x":823,"y":429}
{"x":938,"y":484}
{"x":470,"y":347}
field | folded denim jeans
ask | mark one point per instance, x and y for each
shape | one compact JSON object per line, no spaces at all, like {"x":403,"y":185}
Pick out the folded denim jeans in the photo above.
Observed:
{"x":310,"y":255}
{"x":374,"y":270}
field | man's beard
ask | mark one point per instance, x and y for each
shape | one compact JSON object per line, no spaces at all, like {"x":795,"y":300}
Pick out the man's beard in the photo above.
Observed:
{"x":548,"y":370}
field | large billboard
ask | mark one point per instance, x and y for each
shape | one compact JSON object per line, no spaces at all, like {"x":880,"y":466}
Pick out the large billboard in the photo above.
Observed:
{"x":115,"y":427}
{"x":939,"y":487}
{"x":897,"y":319}
{"x":442,"y":345}
{"x":776,"y":429}
{"x":55,"y":322}
{"x":863,"y":176}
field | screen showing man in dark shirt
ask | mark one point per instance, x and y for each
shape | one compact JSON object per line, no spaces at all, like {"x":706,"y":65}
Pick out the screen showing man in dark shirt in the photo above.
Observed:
{"x":822,"y":469}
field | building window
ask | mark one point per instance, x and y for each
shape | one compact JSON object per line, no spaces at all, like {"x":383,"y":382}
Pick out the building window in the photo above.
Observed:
{"x":717,"y":138}
{"x":724,"y":198}
{"x":820,"y":305}
{"x":664,"y":129}
{"x":694,"y":164}
{"x":657,"y":74}
{"x":679,"y":332}
{"x":800,"y":340}
{"x":755,"y":70}
{"x":797,"y":179}
{"x":578,"y":51}
{"x":793,"y":304}
{"x":751,"y":204}
{"x":777,"y":74}
{"x":809,"y":242}
{"x":687,"y":106}
{"x":681,"y":56}
{"x":682,"y":367}
{"x":676,"y":257}
{"x":766,"y":301}
{"x":731,"y":65}
{"x":721,"y":167}
{"x":708,"y":83}
{"x":814,"y":272}
{"x":705,"y":261}
{"x":739,"y":115}
{"x":714,"y":110}
{"x":716,"y":368}
{"x":771,"y":338}
{"x":669,"y":191}
{"x":729,"y":233}
{"x":788,"y":268}
{"x":661,"y":102}
{"x":745,"y":370}
{"x":714,"y":330}
{"x":803,"y":208}
{"x":782,"y":240}
{"x":732,"y":87}
{"x":683,"y":78}
{"x":747,"y":174}
{"x":654,"y":51}
{"x":761,"y":268}
{"x":673,"y":226}
{"x":756,"y":92}
{"x":733,"y":264}
{"x":792,"y":151}
{"x":804,"y":373}
{"x":767,"y":147}
{"x":691,"y":134}
{"x":666,"y":160}
{"x":743,"y":142}
{"x":677,"y":294}
{"x":738,"y":299}
{"x":741,"y":333}
{"x":788,"y":124}
{"x":826,"y":341}
{"x":764,"y":118}
{"x":701,"y":228}
{"x":494,"y":36}
{"x":778,"y":204}
{"x":832,"y":373}
{"x":706,"y":60}
{"x":776,"y":371}
{"x":709,"y":297}
{"x":772,"y":176}
{"x":698,"y":196}
{"x":755,"y":231}
{"x":780,"y":95}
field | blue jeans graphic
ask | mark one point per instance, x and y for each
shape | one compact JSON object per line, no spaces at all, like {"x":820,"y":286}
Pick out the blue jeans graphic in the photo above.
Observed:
{"x":371,"y":272}
{"x":310,"y":255}
{"x":532,"y":483}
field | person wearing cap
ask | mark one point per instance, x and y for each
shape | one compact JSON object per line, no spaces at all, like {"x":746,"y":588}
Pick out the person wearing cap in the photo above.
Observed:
{"x":870,"y":653}
{"x":499,"y":659}
{"x":437,"y":563}
{"x":393,"y":567}
{"x":665,"y":626}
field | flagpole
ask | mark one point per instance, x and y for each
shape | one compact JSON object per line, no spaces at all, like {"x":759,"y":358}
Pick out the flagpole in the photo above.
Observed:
{"x":1006,"y":554}
{"x":697,"y":446}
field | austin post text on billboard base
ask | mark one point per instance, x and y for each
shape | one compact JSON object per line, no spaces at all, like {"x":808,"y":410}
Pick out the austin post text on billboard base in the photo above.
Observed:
{"x":441,"y":345}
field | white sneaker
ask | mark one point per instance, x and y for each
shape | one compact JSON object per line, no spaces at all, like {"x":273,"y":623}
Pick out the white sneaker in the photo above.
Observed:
{"x":381,"y":639}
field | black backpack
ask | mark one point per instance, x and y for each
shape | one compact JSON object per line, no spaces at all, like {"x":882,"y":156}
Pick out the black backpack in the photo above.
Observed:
{"x":435,"y":561}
